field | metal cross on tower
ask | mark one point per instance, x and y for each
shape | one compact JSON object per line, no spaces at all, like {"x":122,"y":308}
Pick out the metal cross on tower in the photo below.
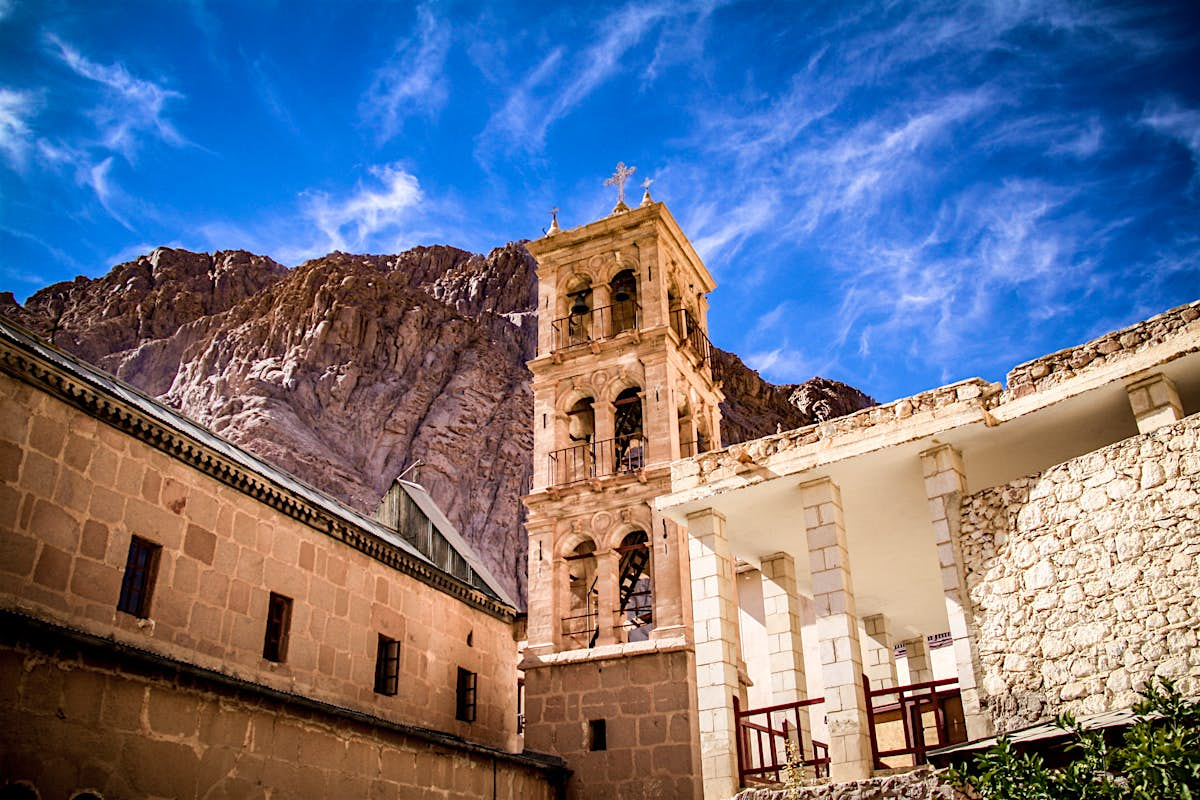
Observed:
{"x":618,"y":179}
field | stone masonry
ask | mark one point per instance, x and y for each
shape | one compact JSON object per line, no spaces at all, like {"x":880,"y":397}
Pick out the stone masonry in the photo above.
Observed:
{"x":1085,"y":579}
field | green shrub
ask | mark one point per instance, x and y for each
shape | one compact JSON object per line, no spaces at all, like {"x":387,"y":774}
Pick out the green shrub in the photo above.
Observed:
{"x":1157,"y":758}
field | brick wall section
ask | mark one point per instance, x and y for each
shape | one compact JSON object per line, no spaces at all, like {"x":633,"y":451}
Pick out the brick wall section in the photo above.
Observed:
{"x":74,"y":721}
{"x":1055,"y":368}
{"x":75,"y":490}
{"x":1085,"y":579}
{"x":650,"y":720}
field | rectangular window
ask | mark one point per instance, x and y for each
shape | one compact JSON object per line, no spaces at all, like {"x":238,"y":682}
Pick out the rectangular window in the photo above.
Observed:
{"x":141,"y":568}
{"x":466,"y":695}
{"x":387,"y":666}
{"x":597,"y":734}
{"x":279,"y":619}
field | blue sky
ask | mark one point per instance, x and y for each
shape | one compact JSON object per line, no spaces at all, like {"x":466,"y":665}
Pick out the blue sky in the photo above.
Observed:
{"x":895,"y":195}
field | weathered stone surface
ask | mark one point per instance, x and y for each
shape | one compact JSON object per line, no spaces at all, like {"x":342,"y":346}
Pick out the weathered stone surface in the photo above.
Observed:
{"x":1085,"y":579}
{"x":919,"y":784}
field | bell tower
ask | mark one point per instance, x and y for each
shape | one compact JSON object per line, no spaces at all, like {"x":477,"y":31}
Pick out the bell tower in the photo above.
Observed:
{"x":622,"y":386}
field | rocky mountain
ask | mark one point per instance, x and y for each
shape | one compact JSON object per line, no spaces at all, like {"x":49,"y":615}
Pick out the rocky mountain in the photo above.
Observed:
{"x":347,"y":368}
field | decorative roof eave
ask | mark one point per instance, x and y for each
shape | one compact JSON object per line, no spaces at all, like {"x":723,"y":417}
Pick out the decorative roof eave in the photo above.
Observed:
{"x":129,"y":410}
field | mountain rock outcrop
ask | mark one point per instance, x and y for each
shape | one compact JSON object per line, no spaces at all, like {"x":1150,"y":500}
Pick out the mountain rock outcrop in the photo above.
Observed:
{"x":348,"y":368}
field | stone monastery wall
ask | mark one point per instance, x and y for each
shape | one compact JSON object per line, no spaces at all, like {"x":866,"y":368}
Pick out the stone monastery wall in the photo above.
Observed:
{"x":120,"y":703}
{"x":1085,"y":579}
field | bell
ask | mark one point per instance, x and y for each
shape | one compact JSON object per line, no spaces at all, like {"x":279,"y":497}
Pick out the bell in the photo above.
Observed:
{"x":580,"y":307}
{"x":621,"y":296}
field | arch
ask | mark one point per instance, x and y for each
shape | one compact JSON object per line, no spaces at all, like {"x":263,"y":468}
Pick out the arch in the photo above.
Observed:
{"x":19,"y":790}
{"x":635,"y":585}
{"x":623,"y":291}
{"x":621,"y":262}
{"x":87,"y":794}
{"x":581,"y":620}
{"x":571,"y":543}
{"x":568,"y":399}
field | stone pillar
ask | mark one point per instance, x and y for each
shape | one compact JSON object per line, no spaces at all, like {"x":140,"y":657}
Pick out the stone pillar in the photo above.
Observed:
{"x":1155,"y":402}
{"x":542,"y":625}
{"x":920,"y":669}
{"x":945,"y":485}
{"x":672,"y":600}
{"x":717,"y":650}
{"x":879,"y":658}
{"x":781,"y":608}
{"x":837,"y":626}
{"x":607,"y":567}
{"x":604,"y":414}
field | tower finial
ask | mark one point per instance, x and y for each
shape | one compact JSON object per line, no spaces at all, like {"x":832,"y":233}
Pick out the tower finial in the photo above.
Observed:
{"x":618,"y":179}
{"x":646,"y":198}
{"x":553,"y":222}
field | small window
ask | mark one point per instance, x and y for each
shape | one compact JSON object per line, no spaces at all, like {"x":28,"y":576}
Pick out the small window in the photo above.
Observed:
{"x":387,"y":666}
{"x":279,"y":619}
{"x":597,"y":734}
{"x":466,"y":696}
{"x":141,"y":568}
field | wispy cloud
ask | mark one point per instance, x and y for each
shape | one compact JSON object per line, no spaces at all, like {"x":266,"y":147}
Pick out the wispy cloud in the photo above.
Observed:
{"x":1182,"y":124}
{"x":563,"y":79}
{"x":413,"y":82}
{"x":131,"y":107}
{"x":16,"y":108}
{"x":6,"y":9}
{"x":352,"y":222}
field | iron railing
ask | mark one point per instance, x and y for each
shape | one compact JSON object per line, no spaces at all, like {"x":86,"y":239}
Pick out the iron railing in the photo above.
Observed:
{"x":583,"y":628}
{"x":763,"y":735}
{"x":908,"y":706}
{"x":691,"y":335}
{"x":596,"y":324}
{"x":600,"y":459}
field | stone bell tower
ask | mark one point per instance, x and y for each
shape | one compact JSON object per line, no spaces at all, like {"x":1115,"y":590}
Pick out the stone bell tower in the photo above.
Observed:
{"x":622,"y":386}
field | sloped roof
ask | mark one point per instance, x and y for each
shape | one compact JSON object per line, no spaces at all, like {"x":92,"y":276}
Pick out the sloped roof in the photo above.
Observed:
{"x":111,"y":387}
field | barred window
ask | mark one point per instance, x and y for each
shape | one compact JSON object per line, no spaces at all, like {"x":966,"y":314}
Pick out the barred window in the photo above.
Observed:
{"x":387,"y":666}
{"x":279,"y":620}
{"x":466,"y":695}
{"x":141,"y":568}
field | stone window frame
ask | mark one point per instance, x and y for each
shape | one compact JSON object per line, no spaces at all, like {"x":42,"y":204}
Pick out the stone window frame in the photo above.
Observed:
{"x":279,"y":623}
{"x":141,"y":574}
{"x":466,"y":692}
{"x":387,"y":666}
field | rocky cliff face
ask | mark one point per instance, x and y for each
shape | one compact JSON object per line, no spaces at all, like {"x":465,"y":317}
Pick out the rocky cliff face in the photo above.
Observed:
{"x":346,"y":369}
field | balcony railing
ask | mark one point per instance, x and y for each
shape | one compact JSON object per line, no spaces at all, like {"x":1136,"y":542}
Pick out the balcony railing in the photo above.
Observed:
{"x":595,"y":325}
{"x":763,"y":735}
{"x":691,"y":335}
{"x":931,"y":709}
{"x":588,"y":460}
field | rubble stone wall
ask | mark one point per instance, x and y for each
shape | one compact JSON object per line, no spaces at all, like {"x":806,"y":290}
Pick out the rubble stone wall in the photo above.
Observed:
{"x":921,"y":784}
{"x":1085,"y":579}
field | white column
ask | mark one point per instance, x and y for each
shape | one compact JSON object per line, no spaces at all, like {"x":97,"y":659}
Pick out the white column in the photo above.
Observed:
{"x":717,"y":650}
{"x":1155,"y":402}
{"x":781,"y":609}
{"x":945,"y":485}
{"x":920,"y":670}
{"x":879,"y":658}
{"x":837,"y":626}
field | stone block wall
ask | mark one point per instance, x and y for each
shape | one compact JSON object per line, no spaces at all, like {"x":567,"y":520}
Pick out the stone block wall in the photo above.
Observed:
{"x":648,"y":708}
{"x":1085,"y":579}
{"x":920,"y":784}
{"x":76,"y":717}
{"x":75,"y":490}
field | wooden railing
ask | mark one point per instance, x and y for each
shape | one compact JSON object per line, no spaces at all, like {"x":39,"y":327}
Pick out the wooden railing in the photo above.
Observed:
{"x":908,"y":706}
{"x":762,"y":738}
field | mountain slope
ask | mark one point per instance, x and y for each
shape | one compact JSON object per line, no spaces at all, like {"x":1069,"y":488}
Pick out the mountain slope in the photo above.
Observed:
{"x":348,"y":368}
